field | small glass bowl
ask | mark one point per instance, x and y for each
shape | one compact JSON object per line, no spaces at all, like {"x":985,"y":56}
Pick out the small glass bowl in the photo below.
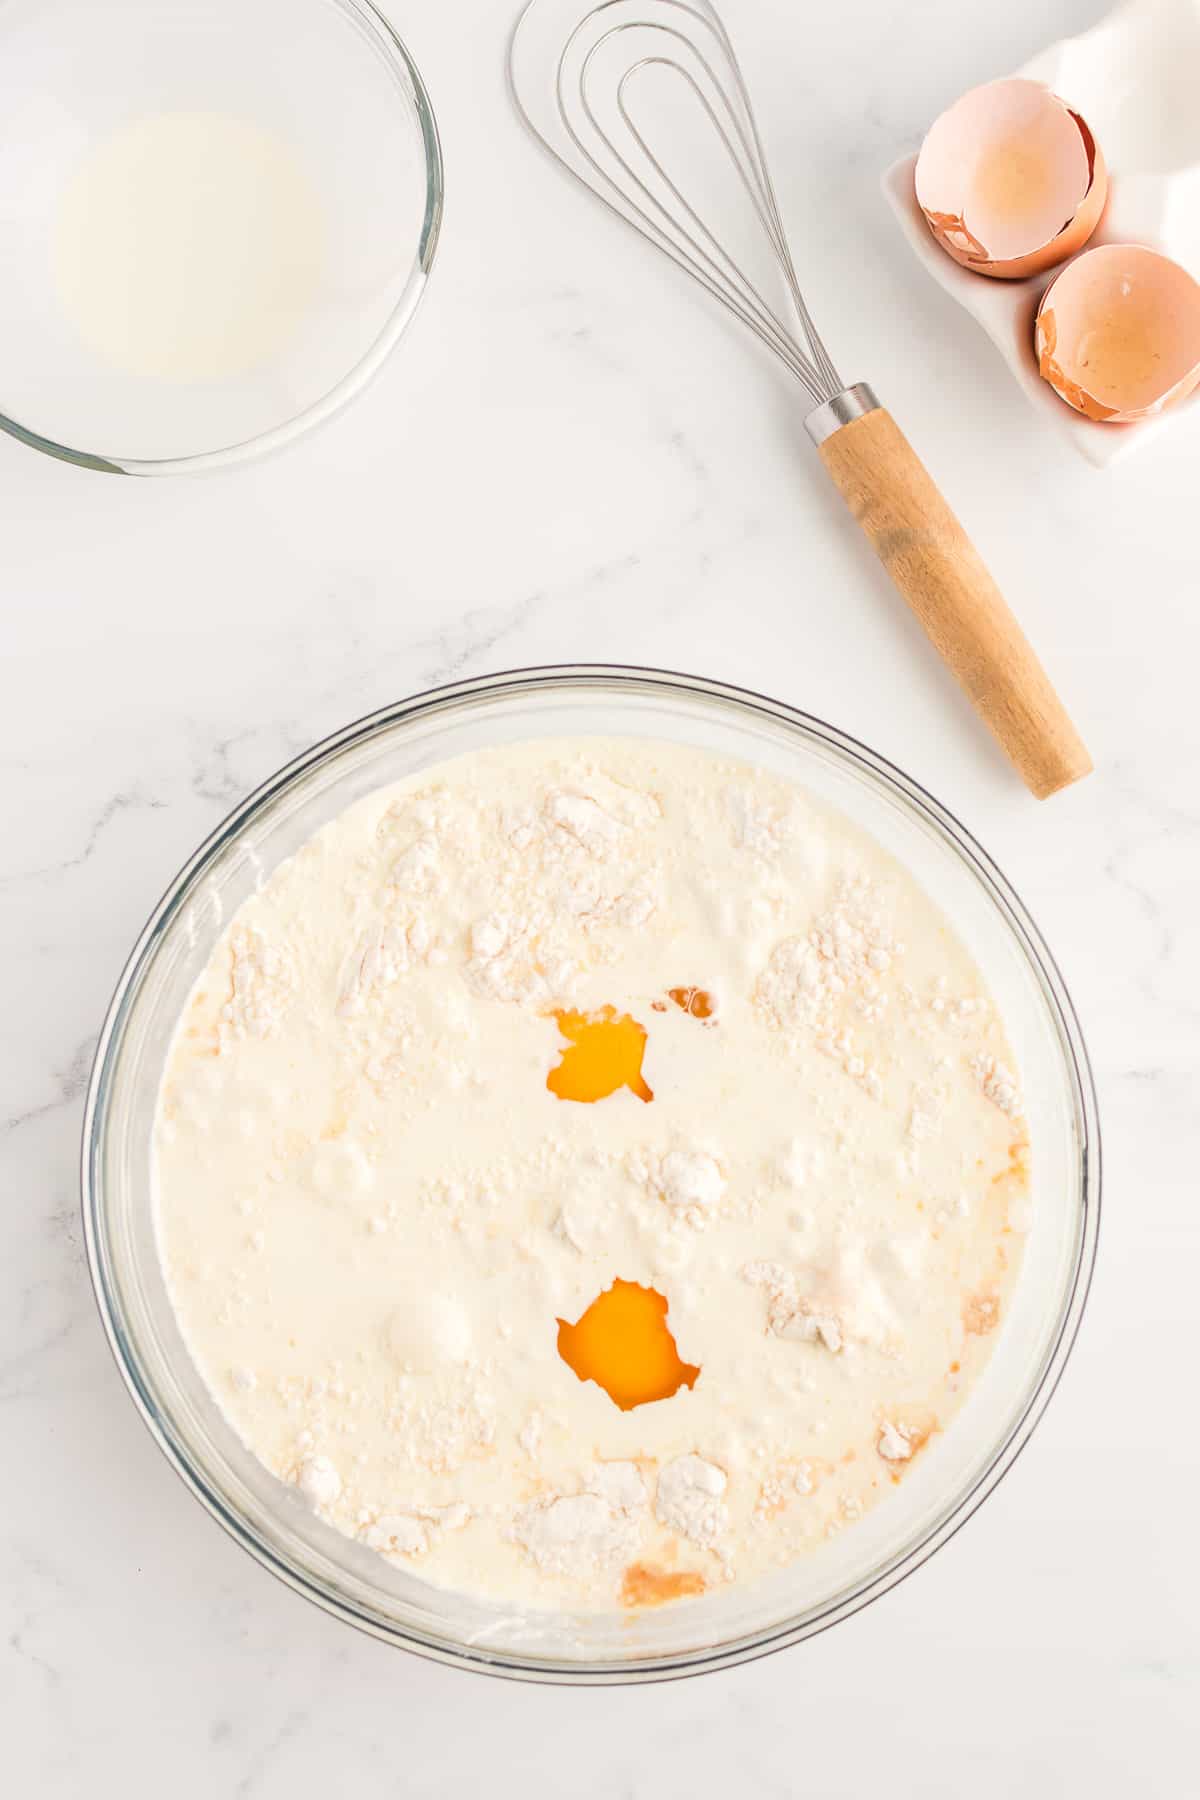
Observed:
{"x":315,"y":101}
{"x":722,"y":1627}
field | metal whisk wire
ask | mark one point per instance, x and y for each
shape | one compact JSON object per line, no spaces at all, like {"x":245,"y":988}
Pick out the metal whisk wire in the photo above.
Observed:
{"x":560,"y":56}
{"x":682,"y":235}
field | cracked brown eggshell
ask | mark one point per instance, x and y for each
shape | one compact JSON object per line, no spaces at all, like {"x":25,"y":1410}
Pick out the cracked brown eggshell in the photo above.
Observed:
{"x":1011,"y":180}
{"x":1117,"y":334}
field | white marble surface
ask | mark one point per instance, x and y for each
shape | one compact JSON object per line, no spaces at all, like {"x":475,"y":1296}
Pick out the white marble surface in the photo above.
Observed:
{"x":572,"y":458}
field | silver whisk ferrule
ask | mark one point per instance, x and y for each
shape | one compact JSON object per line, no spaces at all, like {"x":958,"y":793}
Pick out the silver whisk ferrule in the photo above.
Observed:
{"x":841,"y":409}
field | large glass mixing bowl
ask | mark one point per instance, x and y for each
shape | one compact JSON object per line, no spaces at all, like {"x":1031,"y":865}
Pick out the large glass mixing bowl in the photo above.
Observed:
{"x":719,"y":1628}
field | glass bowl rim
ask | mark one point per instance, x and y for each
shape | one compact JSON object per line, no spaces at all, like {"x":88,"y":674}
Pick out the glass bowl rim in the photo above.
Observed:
{"x":865,"y":762}
{"x":384,"y":37}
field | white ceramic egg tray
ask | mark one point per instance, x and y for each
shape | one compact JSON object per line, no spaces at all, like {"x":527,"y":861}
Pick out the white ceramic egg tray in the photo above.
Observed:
{"x":1135,"y":78}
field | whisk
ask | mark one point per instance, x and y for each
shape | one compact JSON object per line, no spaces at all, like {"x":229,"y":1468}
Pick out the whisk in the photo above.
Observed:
{"x":605,"y":87}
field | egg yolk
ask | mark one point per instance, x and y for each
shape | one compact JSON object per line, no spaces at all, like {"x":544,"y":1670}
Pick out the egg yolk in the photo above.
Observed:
{"x":623,"y":1343}
{"x":604,"y":1053}
{"x":694,"y":1001}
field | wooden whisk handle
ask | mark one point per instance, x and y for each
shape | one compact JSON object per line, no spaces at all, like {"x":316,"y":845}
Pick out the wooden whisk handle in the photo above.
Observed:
{"x":939,"y":572}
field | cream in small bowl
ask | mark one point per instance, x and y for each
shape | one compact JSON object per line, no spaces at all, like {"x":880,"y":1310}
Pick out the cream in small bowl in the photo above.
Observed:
{"x":209,"y":246}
